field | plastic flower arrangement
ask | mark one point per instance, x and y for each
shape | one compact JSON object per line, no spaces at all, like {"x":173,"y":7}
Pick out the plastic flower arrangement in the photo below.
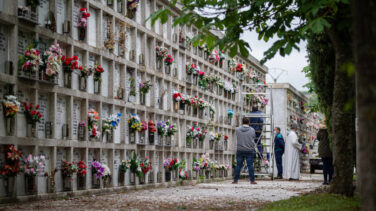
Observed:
{"x":168,"y":60}
{"x":124,"y":165}
{"x":183,"y":174}
{"x":32,"y":116}
{"x":110,"y":123}
{"x":10,"y":106}
{"x":67,"y":169}
{"x":134,"y":123}
{"x":82,"y":168}
{"x":162,"y":128}
{"x":171,"y":128}
{"x":192,"y":69}
{"x":193,"y":132}
{"x":145,"y":87}
{"x":144,"y":126}
{"x":34,"y":165}
{"x":205,"y":161}
{"x":214,"y":57}
{"x":161,"y":52}
{"x":12,"y":163}
{"x":97,"y":70}
{"x":226,"y":138}
{"x":221,"y":83}
{"x":52,"y":59}
{"x":82,"y":22}
{"x":152,"y":127}
{"x":240,"y":68}
{"x":222,"y":55}
{"x":93,"y":118}
{"x":31,"y":60}
{"x":107,"y":172}
{"x":230,"y":113}
{"x":85,"y":72}
{"x":98,"y":169}
{"x":177,"y":96}
{"x":232,"y":64}
{"x":212,"y":136}
{"x":196,"y":165}
{"x":132,"y":5}
{"x":135,"y":165}
{"x":145,"y":165}
{"x":305,"y":150}
{"x":171,"y":164}
{"x":70,"y":64}
{"x":203,"y":134}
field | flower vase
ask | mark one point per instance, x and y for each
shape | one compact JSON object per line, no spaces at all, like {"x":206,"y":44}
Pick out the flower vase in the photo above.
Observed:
{"x":142,"y":179}
{"x":67,"y":183}
{"x":189,"y":78}
{"x":67,"y":79}
{"x":160,"y":140}
{"x":195,"y":80}
{"x":81,"y":33}
{"x":159,"y":64}
{"x":121,"y":178}
{"x":195,"y":111}
{"x":9,"y":125}
{"x":201,"y":112}
{"x":31,"y":130}
{"x":132,"y":137}
{"x":188,"y":142}
{"x":9,"y":185}
{"x":142,"y":137}
{"x":167,"y":176}
{"x":82,"y":83}
{"x":207,"y":174}
{"x":29,"y":184}
{"x":106,"y":181}
{"x":80,"y":182}
{"x":226,"y":145}
{"x":151,"y":138}
{"x":181,"y":108}
{"x":97,"y":86}
{"x":211,"y":144}
{"x":142,"y":98}
{"x":194,"y":143}
{"x":167,"y":69}
{"x":168,"y":141}
{"x":189,"y":108}
{"x":96,"y":183}
{"x":176,"y":106}
{"x":201,"y":144}
{"x":130,"y":14}
{"x":132,"y":178}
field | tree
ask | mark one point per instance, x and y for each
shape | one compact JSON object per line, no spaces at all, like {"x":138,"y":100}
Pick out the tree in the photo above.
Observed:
{"x":291,"y":21}
{"x":364,"y":23}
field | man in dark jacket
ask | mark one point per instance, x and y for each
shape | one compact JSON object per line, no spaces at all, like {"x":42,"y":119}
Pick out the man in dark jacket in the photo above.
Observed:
{"x":279,"y":149}
{"x":326,"y":154}
{"x":257,"y":124}
{"x":245,"y":145}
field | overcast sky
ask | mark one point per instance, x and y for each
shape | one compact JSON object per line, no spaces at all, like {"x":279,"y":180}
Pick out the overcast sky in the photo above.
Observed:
{"x":293,"y":63}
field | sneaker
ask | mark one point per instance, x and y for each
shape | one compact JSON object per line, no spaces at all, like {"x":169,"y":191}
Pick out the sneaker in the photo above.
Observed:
{"x":234,"y":182}
{"x":279,"y":177}
{"x":253,"y":183}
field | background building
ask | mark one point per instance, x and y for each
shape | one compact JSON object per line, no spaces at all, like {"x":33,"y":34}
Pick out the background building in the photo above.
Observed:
{"x":126,"y":49}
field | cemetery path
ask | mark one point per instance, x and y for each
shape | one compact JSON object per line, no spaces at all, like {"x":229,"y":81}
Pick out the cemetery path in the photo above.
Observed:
{"x":204,"y":196}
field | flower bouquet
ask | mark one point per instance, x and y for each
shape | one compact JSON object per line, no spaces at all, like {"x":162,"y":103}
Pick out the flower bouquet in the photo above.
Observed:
{"x":230,"y":113}
{"x":162,"y":128}
{"x":70,"y":64}
{"x":93,"y":118}
{"x":152,"y":129}
{"x":10,"y":168}
{"x":161,"y":52}
{"x":171,"y":128}
{"x":226,"y":138}
{"x":97,"y":70}
{"x":10,"y":106}
{"x":124,"y":165}
{"x":145,"y":87}
{"x":82,"y":23}
{"x":168,"y":60}
{"x":240,"y":68}
{"x":52,"y":60}
{"x":81,"y":173}
{"x":32,"y":116}
{"x":145,"y":165}
{"x":33,"y":166}
{"x":218,"y":136}
{"x":30,"y":62}
{"x":214,"y":57}
{"x":134,"y":123}
{"x":135,"y":167}
{"x":183,"y":174}
{"x":192,"y":69}
{"x":67,"y":170}
{"x":110,"y":123}
{"x":132,"y":8}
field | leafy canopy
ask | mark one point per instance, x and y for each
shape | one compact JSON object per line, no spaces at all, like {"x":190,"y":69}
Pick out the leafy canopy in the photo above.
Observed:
{"x":289,"y":20}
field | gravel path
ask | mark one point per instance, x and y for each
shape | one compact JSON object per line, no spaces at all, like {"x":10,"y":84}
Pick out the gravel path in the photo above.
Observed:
{"x":210,"y":196}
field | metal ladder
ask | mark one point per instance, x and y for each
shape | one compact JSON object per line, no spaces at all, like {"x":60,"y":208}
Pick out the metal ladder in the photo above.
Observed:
{"x":267,"y":135}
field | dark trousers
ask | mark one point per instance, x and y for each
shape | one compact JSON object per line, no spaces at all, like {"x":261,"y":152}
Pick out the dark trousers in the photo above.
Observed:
{"x":327,"y":169}
{"x":248,"y":157}
{"x":278,"y":160}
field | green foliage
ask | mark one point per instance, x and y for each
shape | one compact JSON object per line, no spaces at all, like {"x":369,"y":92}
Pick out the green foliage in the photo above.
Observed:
{"x":289,"y":20}
{"x":312,"y":202}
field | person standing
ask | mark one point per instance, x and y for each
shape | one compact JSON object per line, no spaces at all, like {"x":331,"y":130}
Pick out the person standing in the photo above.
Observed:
{"x":326,"y":154}
{"x":279,"y":149}
{"x":257,"y":124}
{"x":292,"y":160}
{"x":245,"y":150}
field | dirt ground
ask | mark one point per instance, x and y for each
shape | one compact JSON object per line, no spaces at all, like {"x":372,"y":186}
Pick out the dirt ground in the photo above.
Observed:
{"x":209,"y":196}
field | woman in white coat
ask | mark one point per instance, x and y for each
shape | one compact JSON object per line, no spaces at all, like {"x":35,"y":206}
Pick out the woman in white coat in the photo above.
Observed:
{"x":291,"y":159}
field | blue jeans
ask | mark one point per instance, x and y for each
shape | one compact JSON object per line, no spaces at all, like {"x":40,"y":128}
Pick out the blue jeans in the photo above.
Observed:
{"x":327,"y":168}
{"x":278,"y":160}
{"x":240,"y":157}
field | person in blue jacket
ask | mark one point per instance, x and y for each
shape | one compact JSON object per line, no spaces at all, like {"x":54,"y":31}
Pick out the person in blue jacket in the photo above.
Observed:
{"x":279,"y":149}
{"x":257,"y":124}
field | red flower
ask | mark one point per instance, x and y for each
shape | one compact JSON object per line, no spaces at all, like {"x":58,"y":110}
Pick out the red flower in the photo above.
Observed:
{"x":37,"y":107}
{"x":83,"y":9}
{"x":142,"y":165}
{"x":63,"y":58}
{"x":75,"y":57}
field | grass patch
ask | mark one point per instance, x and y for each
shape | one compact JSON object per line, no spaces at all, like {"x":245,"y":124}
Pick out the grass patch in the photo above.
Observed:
{"x":316,"y":201}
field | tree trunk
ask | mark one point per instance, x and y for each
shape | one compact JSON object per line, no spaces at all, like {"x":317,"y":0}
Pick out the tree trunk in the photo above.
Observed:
{"x":343,"y":117}
{"x":364,"y":22}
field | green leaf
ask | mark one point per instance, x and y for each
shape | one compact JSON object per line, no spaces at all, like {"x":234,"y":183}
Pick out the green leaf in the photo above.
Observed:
{"x":233,"y":50}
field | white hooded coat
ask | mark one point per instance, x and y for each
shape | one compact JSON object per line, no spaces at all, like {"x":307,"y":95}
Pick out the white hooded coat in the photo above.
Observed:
{"x":291,"y":164}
